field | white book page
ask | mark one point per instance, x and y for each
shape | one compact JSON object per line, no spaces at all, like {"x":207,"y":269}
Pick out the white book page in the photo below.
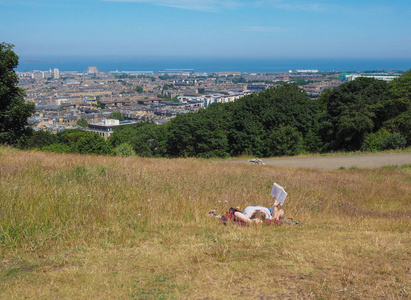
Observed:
{"x":278,"y":193}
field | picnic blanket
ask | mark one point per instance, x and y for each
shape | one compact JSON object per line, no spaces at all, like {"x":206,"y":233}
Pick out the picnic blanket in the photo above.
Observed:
{"x":229,"y":217}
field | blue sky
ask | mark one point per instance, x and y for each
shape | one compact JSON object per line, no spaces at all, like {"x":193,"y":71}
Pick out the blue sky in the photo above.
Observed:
{"x":209,"y":28}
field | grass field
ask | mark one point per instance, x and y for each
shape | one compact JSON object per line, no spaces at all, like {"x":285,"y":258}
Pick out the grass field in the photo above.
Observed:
{"x":96,"y":227}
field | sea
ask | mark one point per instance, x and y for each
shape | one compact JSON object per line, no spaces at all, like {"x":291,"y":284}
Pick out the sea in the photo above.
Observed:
{"x":208,"y":65}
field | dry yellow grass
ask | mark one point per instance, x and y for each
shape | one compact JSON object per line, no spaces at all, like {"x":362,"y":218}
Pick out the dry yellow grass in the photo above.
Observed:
{"x":95,"y":227}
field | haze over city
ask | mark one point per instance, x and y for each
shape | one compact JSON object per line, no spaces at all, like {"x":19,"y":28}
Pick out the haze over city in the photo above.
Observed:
{"x":370,"y":29}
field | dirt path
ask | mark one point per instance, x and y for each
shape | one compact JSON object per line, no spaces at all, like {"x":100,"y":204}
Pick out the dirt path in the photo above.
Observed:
{"x":335,"y":162}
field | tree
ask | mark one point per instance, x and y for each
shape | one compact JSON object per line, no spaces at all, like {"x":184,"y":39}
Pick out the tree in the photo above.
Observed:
{"x":146,"y":139}
{"x":285,"y":140}
{"x":353,"y":111}
{"x":254,"y":118}
{"x":122,"y":134}
{"x":139,"y":89}
{"x":83,"y":142}
{"x":164,"y":77}
{"x":398,"y":106}
{"x":14,"y":112}
{"x":116,"y":116}
{"x":399,"y":95}
{"x":209,"y":132}
{"x":401,"y":124}
{"x":300,"y":81}
{"x":181,"y":141}
{"x":100,"y":105}
{"x":40,"y":139}
{"x":175,"y":99}
{"x":239,"y":80}
{"x":82,"y":122}
{"x":150,"y":140}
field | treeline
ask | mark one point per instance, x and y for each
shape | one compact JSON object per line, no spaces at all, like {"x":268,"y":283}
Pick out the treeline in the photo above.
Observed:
{"x":364,"y":114}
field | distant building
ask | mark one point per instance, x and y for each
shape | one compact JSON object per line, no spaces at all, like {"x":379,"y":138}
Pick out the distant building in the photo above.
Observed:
{"x":73,"y":82}
{"x":38,"y":75}
{"x":62,"y":100}
{"x":93,"y":70}
{"x":90,"y":100}
{"x":306,"y":71}
{"x":117,"y":72}
{"x":107,"y":126}
{"x":181,"y":72}
{"x":56,"y":74}
{"x":379,"y":76}
{"x":229,"y":73}
{"x":257,"y":87}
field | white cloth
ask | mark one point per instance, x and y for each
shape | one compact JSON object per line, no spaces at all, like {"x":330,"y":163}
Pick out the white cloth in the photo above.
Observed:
{"x":250,"y":209}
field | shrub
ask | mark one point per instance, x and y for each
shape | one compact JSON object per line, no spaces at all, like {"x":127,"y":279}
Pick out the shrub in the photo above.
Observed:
{"x":40,"y":139}
{"x":125,"y":150}
{"x":57,"y":148}
{"x":116,"y":115}
{"x":84,"y":142}
{"x":374,"y":141}
{"x":394,"y":141}
{"x":82,"y":122}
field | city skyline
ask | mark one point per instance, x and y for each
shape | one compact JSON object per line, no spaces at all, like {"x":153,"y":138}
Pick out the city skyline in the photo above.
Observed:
{"x":208,"y":28}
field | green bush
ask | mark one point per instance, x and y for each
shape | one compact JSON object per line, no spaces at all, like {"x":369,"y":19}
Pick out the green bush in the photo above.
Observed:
{"x":383,"y":140}
{"x":40,"y":139}
{"x":125,"y":150}
{"x":374,"y":141}
{"x":57,"y":148}
{"x":116,"y":116}
{"x":401,"y":124}
{"x":84,"y":142}
{"x":394,"y":141}
{"x":82,"y":122}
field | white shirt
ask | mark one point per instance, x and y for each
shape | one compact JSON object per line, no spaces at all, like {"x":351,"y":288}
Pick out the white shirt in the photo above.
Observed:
{"x":250,"y":209}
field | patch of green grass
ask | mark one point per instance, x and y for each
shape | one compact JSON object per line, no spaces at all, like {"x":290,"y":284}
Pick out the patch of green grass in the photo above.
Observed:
{"x":158,"y":286}
{"x":406,"y":150}
{"x":390,"y":167}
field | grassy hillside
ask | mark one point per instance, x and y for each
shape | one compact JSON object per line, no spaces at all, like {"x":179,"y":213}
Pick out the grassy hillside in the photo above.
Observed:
{"x":97,"y":227}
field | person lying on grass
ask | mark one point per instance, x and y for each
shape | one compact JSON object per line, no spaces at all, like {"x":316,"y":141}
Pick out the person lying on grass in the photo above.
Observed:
{"x":259,"y":214}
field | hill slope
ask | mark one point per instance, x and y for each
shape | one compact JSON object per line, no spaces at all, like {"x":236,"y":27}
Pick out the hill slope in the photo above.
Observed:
{"x":75,"y":226}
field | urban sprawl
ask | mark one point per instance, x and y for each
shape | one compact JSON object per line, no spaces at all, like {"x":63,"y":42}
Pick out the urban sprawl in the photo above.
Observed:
{"x":63,"y":98}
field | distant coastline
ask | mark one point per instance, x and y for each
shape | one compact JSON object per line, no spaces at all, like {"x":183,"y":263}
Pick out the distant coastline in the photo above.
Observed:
{"x":107,"y":64}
